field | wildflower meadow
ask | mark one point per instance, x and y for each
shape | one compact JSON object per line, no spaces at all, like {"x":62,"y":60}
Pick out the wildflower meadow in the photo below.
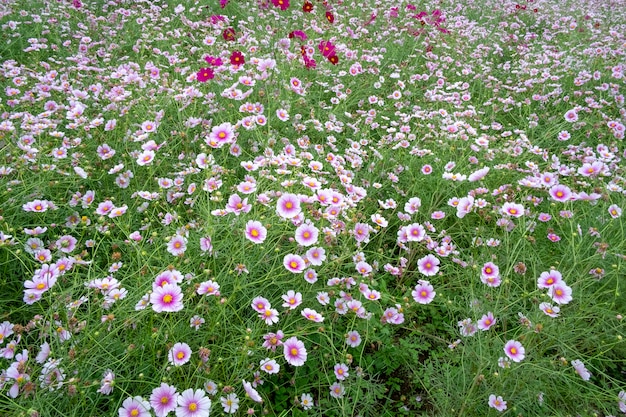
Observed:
{"x":312,"y":208}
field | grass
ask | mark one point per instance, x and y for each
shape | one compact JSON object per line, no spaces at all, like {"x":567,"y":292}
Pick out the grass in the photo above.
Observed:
{"x":460,"y":124}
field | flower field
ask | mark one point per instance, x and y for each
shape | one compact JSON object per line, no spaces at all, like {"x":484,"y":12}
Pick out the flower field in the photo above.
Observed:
{"x":307,"y":208}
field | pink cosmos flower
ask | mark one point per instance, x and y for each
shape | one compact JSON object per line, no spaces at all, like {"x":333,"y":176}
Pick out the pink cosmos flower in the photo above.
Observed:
{"x":312,"y":315}
{"x":341,"y":371}
{"x":135,"y":407}
{"x":549,"y":278}
{"x":362,"y":232}
{"x":306,"y":234}
{"x":179,"y":354}
{"x":316,"y":256}
{"x":415,"y":232}
{"x":478,"y":175}
{"x":363,"y":268}
{"x":413,"y":205}
{"x":337,"y":390}
{"x":497,"y":402}
{"x":145,"y":158}
{"x":428,"y":265}
{"x":163,"y":399}
{"x":464,"y":206}
{"x":104,"y":208}
{"x":391,"y":315}
{"x":270,"y":366}
{"x":615,"y":211}
{"x":561,"y":193}
{"x":273,"y":340}
{"x":486,"y":321}
{"x":353,"y":338}
{"x":549,"y":310}
{"x":310,"y":276}
{"x":237,"y":205}
{"x":294,"y":351}
{"x":288,"y":206}
{"x":560,"y":293}
{"x":512,"y":209}
{"x":292,"y":299}
{"x":424,"y":293}
{"x":260,"y":304}
{"x":193,"y":404}
{"x":209,"y":288}
{"x":251,"y":392}
{"x":177,"y":245}
{"x":37,"y":206}
{"x":294,"y":263}
{"x":490,"y":274}
{"x":206,"y":245}
{"x":514,"y":350}
{"x":269,"y":315}
{"x":221,"y":135}
{"x":167,"y":298}
{"x":580,"y":369}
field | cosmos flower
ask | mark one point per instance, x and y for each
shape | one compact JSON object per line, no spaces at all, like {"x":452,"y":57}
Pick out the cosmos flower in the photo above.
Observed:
{"x":294,"y":351}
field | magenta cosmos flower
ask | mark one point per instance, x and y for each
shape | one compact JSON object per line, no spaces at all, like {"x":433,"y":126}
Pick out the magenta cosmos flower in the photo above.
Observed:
{"x":423,"y":293}
{"x":179,"y":354}
{"x":255,"y":232}
{"x":288,"y":206}
{"x":514,"y":350}
{"x":294,"y":263}
{"x":193,"y":404}
{"x":428,"y":265}
{"x":134,"y":407}
{"x":295,"y":352}
{"x":205,"y":74}
{"x":163,"y":399}
{"x":306,"y":234}
{"x":167,"y":298}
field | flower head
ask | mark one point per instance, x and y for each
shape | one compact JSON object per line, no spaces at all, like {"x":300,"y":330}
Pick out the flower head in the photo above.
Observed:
{"x":288,"y":206}
{"x":294,"y":351}
{"x":497,"y":402}
{"x":424,"y":293}
{"x":134,"y":407}
{"x":514,"y":350}
{"x":428,"y":265}
{"x":167,"y":298}
{"x":179,"y":354}
{"x":193,"y":404}
{"x":163,"y":399}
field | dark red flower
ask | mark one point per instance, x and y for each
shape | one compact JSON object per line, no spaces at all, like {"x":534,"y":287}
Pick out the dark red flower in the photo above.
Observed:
{"x":229,"y":34}
{"x":307,"y":7}
{"x":334,"y":59}
{"x":205,"y":74}
{"x":237,"y":58}
{"x":330,"y":17}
